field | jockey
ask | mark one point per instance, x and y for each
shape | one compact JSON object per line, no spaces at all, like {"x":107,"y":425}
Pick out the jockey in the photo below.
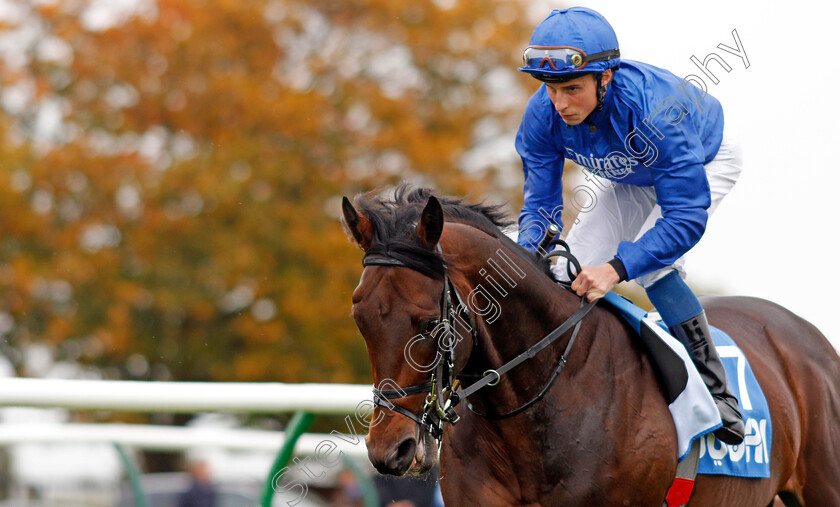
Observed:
{"x":657,"y":151}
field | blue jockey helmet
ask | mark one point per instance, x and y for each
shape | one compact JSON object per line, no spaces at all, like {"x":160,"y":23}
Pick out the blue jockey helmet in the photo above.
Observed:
{"x":569,"y":43}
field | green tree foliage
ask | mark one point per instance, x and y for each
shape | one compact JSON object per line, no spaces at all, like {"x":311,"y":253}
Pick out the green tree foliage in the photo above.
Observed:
{"x":170,"y":178}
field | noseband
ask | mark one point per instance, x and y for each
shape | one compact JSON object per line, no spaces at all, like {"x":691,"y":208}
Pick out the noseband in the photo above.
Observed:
{"x":438,"y":409}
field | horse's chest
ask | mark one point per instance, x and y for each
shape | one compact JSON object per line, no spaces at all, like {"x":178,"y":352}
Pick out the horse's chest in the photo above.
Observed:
{"x":582,"y":458}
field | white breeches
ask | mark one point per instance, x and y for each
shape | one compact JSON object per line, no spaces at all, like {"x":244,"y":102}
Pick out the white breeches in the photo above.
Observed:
{"x":623,"y":212}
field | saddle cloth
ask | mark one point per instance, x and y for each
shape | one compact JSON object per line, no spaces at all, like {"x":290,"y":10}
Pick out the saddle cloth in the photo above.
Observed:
{"x":692,"y":407}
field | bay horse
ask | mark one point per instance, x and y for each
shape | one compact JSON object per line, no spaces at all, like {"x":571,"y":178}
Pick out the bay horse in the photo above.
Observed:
{"x":602,"y":434}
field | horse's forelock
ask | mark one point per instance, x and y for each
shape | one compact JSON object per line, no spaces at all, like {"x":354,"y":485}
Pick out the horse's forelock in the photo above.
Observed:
{"x":394,"y":232}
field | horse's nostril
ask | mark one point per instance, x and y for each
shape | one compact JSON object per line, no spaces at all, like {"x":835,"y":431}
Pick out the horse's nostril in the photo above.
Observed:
{"x":404,"y":454}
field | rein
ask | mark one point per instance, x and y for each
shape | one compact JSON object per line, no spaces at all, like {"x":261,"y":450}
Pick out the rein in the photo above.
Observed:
{"x":436,"y":411}
{"x":574,"y":320}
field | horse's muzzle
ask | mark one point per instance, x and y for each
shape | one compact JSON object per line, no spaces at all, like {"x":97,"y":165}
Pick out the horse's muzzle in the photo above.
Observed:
{"x":414,"y":455}
{"x":394,"y":460}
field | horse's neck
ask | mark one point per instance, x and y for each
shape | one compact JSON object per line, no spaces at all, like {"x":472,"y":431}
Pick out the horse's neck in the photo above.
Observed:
{"x":526,"y":313}
{"x":518,"y":305}
{"x":592,"y":407}
{"x":519,"y":326}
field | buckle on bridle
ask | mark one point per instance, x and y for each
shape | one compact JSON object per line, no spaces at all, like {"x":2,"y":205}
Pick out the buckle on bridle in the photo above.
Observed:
{"x":447,"y":411}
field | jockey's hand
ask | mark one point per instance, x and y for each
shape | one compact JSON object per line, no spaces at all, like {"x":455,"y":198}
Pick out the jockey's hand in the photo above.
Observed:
{"x":595,"y":281}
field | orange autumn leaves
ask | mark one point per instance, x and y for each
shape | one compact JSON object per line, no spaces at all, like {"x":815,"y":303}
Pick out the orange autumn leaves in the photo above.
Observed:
{"x":170,"y":184}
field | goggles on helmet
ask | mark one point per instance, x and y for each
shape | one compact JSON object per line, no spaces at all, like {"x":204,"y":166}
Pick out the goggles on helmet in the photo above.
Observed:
{"x":562,"y":58}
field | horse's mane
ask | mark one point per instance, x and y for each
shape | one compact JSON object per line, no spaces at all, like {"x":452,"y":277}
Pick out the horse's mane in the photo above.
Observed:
{"x":395,"y":220}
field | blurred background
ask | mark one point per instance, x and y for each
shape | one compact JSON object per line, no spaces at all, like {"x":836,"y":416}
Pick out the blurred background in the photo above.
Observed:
{"x":171,"y":173}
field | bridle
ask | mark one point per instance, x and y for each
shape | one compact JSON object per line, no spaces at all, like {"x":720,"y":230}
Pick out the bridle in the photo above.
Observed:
{"x":439,"y":409}
{"x":436,"y":411}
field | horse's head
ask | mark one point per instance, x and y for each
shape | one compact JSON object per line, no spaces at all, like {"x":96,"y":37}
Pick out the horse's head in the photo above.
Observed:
{"x":397,"y":307}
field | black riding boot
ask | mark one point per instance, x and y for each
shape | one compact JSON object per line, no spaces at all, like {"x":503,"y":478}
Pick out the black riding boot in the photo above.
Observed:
{"x":695,"y":334}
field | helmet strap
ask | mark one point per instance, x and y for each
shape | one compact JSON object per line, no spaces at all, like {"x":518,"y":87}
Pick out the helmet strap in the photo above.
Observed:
{"x":601,"y":91}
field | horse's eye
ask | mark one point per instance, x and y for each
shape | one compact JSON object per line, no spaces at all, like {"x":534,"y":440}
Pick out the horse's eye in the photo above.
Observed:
{"x":430,"y":326}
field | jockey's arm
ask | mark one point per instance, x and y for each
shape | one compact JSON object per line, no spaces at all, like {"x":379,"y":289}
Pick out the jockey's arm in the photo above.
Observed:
{"x":542,"y":165}
{"x":682,"y":193}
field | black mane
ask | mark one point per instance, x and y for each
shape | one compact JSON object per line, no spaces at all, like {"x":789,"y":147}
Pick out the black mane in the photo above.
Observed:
{"x":395,"y":220}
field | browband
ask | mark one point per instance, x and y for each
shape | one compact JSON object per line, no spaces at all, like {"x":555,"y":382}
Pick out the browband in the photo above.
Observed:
{"x":381,"y":261}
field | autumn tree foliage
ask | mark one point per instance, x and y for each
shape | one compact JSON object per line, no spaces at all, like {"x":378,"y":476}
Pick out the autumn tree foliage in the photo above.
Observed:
{"x":171,"y":172}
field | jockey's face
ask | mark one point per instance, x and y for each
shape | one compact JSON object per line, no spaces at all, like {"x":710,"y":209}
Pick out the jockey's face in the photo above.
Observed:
{"x":575,"y":99}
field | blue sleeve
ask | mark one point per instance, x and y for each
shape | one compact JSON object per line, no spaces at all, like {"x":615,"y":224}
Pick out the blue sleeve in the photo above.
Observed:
{"x":542,"y":163}
{"x":682,"y":191}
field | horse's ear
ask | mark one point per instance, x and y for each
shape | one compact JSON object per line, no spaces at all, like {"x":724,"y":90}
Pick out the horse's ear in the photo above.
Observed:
{"x":359,"y":227}
{"x":430,"y":226}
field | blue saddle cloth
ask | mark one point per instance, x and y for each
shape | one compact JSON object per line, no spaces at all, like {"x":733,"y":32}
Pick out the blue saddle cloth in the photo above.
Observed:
{"x":749,"y":459}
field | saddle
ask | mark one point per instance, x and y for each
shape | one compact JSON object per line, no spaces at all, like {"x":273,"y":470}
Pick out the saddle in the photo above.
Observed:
{"x":694,"y":412}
